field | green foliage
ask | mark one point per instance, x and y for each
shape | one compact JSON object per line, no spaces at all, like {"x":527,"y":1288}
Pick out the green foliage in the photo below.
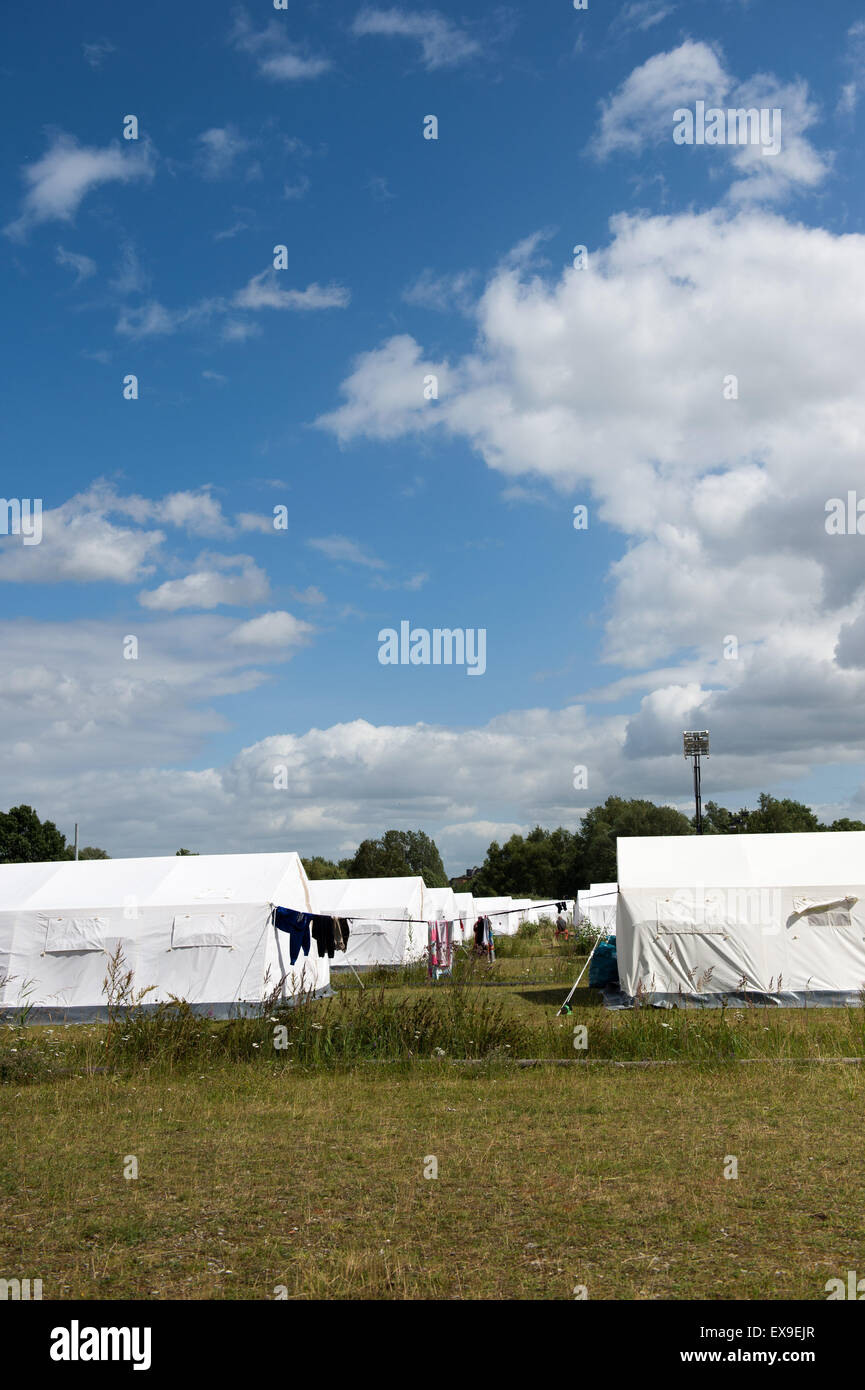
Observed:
{"x":25,"y":839}
{"x":603,"y":824}
{"x":398,"y":854}
{"x":542,"y":864}
{"x":318,"y":867}
{"x":186,"y":851}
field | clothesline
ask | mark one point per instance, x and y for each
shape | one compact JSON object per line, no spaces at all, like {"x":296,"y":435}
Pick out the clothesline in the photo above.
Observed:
{"x":493,"y":912}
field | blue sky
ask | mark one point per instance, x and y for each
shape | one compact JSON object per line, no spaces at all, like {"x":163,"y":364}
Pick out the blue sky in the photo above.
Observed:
{"x":303,"y":388}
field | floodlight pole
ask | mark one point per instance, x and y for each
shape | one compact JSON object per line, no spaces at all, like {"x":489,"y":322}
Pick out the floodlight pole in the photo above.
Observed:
{"x":695,"y":746}
{"x":697,"y":799}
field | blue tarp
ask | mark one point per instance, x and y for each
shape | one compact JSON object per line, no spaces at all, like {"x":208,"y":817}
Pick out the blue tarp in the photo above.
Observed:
{"x":603,"y":967}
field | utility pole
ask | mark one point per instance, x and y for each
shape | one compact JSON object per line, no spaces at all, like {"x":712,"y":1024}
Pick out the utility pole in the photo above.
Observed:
{"x":76,"y":839}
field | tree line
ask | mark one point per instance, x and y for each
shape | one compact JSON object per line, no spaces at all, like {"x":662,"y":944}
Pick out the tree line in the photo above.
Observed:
{"x":542,"y":864}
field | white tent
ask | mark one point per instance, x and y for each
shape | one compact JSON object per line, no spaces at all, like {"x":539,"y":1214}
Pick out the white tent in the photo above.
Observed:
{"x":503,"y":923}
{"x":440,"y":903}
{"x":194,"y":926}
{"x":598,"y":904}
{"x":465,"y":906}
{"x":388,"y":917}
{"x":525,"y":912}
{"x":780,"y":917}
{"x":544,"y":908}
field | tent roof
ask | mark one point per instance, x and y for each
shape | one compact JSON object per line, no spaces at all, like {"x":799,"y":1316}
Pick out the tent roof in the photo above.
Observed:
{"x":822,"y":858}
{"x":157,"y":882}
{"x":342,"y":895}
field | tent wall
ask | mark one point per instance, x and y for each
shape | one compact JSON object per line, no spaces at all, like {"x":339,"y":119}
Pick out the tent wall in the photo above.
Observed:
{"x":465,"y":906}
{"x":777,"y":917}
{"x":388,"y":918}
{"x":496,"y":909}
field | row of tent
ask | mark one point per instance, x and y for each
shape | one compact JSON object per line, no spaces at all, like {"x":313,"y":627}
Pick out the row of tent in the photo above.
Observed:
{"x":201,"y":928}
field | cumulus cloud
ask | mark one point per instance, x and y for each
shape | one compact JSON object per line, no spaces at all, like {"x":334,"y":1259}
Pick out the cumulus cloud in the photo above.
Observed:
{"x":57,"y":184}
{"x":277,"y":629}
{"x":640,"y":113}
{"x":87,"y":539}
{"x":211,"y":585}
{"x":614,"y":384}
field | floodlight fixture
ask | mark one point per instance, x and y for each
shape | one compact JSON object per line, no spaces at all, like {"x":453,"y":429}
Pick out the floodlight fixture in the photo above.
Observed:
{"x":696,"y":743}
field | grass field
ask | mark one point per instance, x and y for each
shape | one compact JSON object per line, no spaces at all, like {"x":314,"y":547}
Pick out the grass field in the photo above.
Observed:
{"x":303,"y":1170}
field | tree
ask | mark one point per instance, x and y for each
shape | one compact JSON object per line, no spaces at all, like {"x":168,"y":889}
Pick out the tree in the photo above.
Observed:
{"x":397,"y":854}
{"x":602,"y":825}
{"x":185,"y":851}
{"x":25,"y":839}
{"x":542,"y":864}
{"x":846,"y":824}
{"x":317,"y":867}
{"x":778,"y":817}
{"x":88,"y":852}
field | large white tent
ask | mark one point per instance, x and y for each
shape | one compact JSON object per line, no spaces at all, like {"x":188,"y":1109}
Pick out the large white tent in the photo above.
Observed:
{"x":388,"y":917}
{"x":777,"y":917}
{"x":197,"y":927}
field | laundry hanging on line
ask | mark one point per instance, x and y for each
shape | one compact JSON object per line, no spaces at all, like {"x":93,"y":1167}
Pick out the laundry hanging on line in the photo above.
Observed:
{"x":329,"y":933}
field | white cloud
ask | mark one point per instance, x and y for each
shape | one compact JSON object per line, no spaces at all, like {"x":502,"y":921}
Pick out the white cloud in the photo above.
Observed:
{"x":641,"y":15}
{"x":278,"y":630}
{"x":298,"y":190}
{"x":211,"y":586}
{"x":609,"y":384}
{"x":254,"y":521}
{"x":345,"y":551}
{"x":221,"y":147}
{"x":81,"y":545}
{"x":277,"y":58}
{"x":855,"y":62}
{"x":59,"y":181}
{"x":640,"y":113}
{"x":385,"y":392}
{"x":265,"y":292}
{"x":311,"y":595}
{"x":442,"y":292}
{"x":443,"y":43}
{"x":83,"y":266}
{"x":642,"y":109}
{"x":86,"y":540}
{"x":96,"y":53}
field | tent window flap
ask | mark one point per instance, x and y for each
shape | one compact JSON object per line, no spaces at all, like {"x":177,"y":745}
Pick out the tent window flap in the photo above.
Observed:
{"x":202,"y":929}
{"x":75,"y":934}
